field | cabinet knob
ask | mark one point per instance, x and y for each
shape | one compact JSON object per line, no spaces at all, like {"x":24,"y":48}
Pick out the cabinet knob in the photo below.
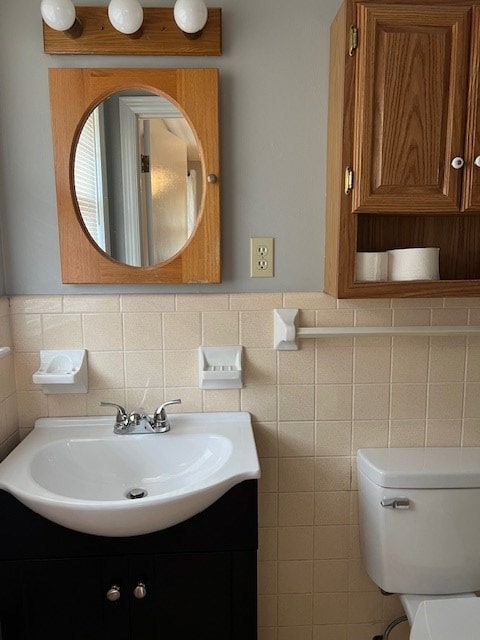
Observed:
{"x":140,"y":591}
{"x":113,"y":594}
{"x":212,"y":178}
{"x":476,"y":162}
{"x":457,"y":163}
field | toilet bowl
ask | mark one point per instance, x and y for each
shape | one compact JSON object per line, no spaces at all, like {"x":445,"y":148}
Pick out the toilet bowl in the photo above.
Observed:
{"x":419,"y":515}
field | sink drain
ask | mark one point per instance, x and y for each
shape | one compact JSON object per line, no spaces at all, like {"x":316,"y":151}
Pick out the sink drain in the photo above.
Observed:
{"x":133,"y":494}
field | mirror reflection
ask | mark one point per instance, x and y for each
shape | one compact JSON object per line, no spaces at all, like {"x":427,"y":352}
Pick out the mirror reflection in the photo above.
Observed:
{"x":138,"y":178}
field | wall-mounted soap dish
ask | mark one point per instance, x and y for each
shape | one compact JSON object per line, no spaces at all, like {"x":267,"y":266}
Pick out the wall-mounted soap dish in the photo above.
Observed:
{"x":220,"y":367}
{"x":62,"y":371}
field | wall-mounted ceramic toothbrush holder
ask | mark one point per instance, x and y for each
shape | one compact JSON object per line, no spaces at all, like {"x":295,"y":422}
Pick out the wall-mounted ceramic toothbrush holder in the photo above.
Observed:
{"x":62,"y":371}
{"x":220,"y":367}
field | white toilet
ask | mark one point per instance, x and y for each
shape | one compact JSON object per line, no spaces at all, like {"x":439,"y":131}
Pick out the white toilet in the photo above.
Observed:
{"x":420,"y":535}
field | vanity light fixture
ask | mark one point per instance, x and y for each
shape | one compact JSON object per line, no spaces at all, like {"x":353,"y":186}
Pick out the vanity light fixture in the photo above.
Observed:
{"x":188,"y":28}
{"x":60,"y":15}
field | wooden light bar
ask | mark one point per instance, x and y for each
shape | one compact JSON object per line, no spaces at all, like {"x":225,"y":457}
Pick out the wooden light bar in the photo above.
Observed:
{"x":160,"y":36}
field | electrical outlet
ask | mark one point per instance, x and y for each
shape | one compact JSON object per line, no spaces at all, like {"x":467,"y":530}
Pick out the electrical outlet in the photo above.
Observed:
{"x":261,"y":258}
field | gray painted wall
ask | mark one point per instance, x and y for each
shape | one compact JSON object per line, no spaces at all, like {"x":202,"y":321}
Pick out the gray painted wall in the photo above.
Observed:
{"x":274,"y":85}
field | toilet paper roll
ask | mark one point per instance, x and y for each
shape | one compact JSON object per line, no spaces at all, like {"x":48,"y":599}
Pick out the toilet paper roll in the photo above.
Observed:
{"x":371,"y":266}
{"x":414,"y":264}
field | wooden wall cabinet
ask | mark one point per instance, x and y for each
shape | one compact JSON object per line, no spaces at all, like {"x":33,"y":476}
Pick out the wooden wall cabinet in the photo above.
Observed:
{"x":404,"y":108}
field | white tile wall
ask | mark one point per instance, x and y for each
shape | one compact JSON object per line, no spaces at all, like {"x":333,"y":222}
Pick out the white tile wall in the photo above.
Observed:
{"x":311,"y":409}
{"x":8,"y":397}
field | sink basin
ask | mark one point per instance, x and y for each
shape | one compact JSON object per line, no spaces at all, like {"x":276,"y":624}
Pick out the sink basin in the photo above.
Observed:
{"x":78,"y":473}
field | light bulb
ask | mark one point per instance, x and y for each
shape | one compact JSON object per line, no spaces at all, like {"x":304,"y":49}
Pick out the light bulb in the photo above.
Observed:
{"x":126,"y":16}
{"x":58,"y":14}
{"x":190,"y":15}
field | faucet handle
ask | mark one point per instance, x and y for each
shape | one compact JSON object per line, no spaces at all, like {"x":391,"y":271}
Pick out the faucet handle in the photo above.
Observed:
{"x":122,"y":417}
{"x":160,"y":421}
{"x":160,"y":411}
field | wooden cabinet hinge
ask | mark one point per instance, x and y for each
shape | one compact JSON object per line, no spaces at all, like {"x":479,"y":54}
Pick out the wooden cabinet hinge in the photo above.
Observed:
{"x":348,"y":181}
{"x":353,"y":40}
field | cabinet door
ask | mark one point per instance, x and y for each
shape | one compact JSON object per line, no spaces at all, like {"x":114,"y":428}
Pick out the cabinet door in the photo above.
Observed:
{"x":188,"y":596}
{"x":410,"y":107}
{"x":12,"y":619}
{"x":67,"y":599}
{"x":471,"y":190}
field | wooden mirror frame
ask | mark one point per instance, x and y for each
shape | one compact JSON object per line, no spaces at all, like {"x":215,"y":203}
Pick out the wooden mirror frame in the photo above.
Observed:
{"x":73,"y":95}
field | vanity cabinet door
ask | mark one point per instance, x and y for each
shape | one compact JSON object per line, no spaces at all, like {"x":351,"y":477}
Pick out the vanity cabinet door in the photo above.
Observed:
{"x":411,"y":75}
{"x":12,"y":619}
{"x":68,"y":599}
{"x":178,"y":596}
{"x":188,"y":595}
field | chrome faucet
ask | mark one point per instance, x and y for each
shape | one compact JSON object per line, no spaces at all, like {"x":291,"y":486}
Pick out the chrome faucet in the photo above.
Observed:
{"x":137,"y":422}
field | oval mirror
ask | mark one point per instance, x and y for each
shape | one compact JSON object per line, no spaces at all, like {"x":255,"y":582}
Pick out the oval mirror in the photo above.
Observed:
{"x":138,"y":177}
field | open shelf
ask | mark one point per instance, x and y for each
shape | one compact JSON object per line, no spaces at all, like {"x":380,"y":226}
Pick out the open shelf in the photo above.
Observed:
{"x":457,"y":236}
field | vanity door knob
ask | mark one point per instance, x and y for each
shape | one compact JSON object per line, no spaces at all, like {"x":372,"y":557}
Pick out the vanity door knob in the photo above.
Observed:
{"x":140,"y":591}
{"x":457,"y":163}
{"x":476,"y":162}
{"x":212,"y":178}
{"x":113,"y":594}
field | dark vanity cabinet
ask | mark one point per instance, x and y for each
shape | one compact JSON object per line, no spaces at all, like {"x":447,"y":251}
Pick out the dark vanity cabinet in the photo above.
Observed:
{"x":196,"y":580}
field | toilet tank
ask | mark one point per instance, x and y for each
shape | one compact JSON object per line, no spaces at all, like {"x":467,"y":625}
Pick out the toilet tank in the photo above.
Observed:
{"x":425,"y":539}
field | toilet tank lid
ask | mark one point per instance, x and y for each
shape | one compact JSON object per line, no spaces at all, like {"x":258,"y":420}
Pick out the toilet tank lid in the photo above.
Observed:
{"x":422,"y":468}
